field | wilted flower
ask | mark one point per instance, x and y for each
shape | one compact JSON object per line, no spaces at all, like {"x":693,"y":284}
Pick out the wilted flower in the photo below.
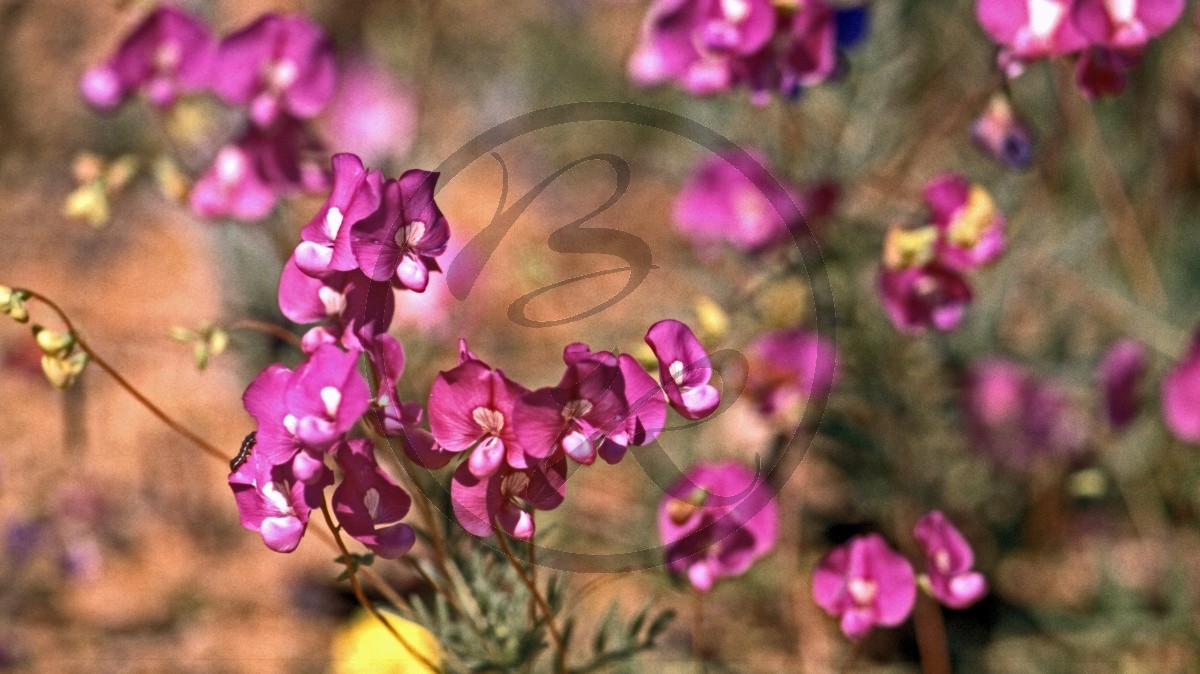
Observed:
{"x":684,"y":369}
{"x":373,"y":114}
{"x":1181,"y":395}
{"x":277,"y":65}
{"x":865,"y":583}
{"x":369,"y":504}
{"x":168,"y":53}
{"x":1017,"y":419}
{"x":970,"y":227}
{"x":1003,"y":135}
{"x":948,"y":562}
{"x":273,"y":502}
{"x":716,"y":521}
{"x":1101,"y":72}
{"x":788,"y":368}
{"x":1120,"y":375}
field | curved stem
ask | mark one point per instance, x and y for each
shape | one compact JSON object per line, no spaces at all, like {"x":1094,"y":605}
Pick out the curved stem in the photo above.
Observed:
{"x":352,"y":574}
{"x":560,"y":647}
{"x":200,"y":442}
{"x":266,"y":328}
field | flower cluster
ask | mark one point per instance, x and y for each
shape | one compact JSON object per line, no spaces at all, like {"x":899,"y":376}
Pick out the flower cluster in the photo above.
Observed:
{"x":370,"y":235}
{"x":716,"y":520}
{"x":865,"y":583}
{"x":712,"y":46}
{"x":735,"y":199}
{"x":518,"y":440}
{"x":1108,"y":36}
{"x":922,"y":282}
{"x":280,"y":69}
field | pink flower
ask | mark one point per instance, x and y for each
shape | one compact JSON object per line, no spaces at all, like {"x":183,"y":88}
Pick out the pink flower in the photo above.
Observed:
{"x":790,"y":367}
{"x":575,"y":416}
{"x":352,"y":308}
{"x":1003,"y":135}
{"x":325,"y":240}
{"x":865,"y":583}
{"x":480,"y":504}
{"x":644,"y":417}
{"x":1120,"y":375}
{"x":716,"y":521}
{"x":970,"y":227}
{"x":919,"y":298}
{"x":276,"y":65}
{"x":373,"y":113}
{"x":1017,"y":419}
{"x":271,"y":501}
{"x":369,"y":504}
{"x":1028,"y":30}
{"x":1181,"y":395}
{"x":948,"y":562}
{"x":399,"y":241}
{"x":472,"y":406}
{"x":1123,"y":24}
{"x":683,"y":369}
{"x":168,"y":53}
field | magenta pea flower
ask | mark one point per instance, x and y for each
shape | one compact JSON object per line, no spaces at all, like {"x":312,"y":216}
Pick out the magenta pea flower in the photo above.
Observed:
{"x":1120,"y":374}
{"x":788,"y":368}
{"x":369,"y":504}
{"x":948,"y":562}
{"x":353,"y":308}
{"x":865,"y":583}
{"x":325,"y":240}
{"x":1181,"y":395}
{"x":400,"y":241}
{"x":373,"y":114}
{"x":919,"y":298}
{"x":1017,"y":419}
{"x":970,"y":226}
{"x":645,"y":414}
{"x":735,"y":200}
{"x":482,"y":504}
{"x":575,"y":416}
{"x":1028,"y":30}
{"x":1125,"y":24}
{"x":168,"y":53}
{"x":716,"y":521}
{"x":1003,"y":135}
{"x":472,"y":406}
{"x":684,"y":369}
{"x":271,"y":501}
{"x":277,"y":65}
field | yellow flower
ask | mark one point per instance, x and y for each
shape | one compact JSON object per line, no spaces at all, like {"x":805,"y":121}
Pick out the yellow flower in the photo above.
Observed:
{"x":365,"y":646}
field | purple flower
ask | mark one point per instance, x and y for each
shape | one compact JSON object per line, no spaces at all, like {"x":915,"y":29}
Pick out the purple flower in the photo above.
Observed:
{"x":1003,"y":136}
{"x":1120,"y":375}
{"x":168,"y":53}
{"x":970,"y":227}
{"x":1181,"y":395}
{"x":325,"y":240}
{"x":716,"y":521}
{"x":1027,"y":30}
{"x":373,"y":114}
{"x":1122,"y":24}
{"x":645,"y":416}
{"x":273,"y":502}
{"x":309,"y":409}
{"x":683,"y":369}
{"x":1017,"y":419}
{"x":399,"y":241}
{"x":472,"y":405}
{"x":276,"y":65}
{"x":353,"y":308}
{"x":480,"y":504}
{"x":369,"y":504}
{"x":575,"y":416}
{"x":1101,"y":72}
{"x":919,"y":298}
{"x":948,"y":562}
{"x":865,"y":583}
{"x":788,"y":368}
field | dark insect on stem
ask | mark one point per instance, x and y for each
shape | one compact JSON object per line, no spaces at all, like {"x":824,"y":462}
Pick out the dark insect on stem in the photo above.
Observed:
{"x":244,"y":452}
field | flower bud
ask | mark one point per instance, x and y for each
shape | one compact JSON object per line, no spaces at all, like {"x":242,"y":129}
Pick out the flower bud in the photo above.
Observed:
{"x":12,"y":302}
{"x":62,"y":372}
{"x":53,"y":343}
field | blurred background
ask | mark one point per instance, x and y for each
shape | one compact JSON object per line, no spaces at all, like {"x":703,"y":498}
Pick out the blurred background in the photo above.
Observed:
{"x":122,"y":549}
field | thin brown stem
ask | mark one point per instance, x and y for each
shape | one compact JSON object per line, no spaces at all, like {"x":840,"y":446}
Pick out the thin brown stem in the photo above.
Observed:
{"x":698,"y":631}
{"x":1110,"y":193}
{"x":931,"y":636}
{"x":352,"y":574}
{"x":851,"y":656}
{"x":266,"y":328}
{"x":82,"y":343}
{"x":560,"y":647}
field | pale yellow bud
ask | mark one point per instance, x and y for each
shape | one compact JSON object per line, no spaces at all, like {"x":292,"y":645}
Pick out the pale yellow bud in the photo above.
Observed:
{"x":88,"y":202}
{"x":62,"y":372}
{"x":53,"y":343}
{"x":908,"y":248}
{"x":711,"y":318}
